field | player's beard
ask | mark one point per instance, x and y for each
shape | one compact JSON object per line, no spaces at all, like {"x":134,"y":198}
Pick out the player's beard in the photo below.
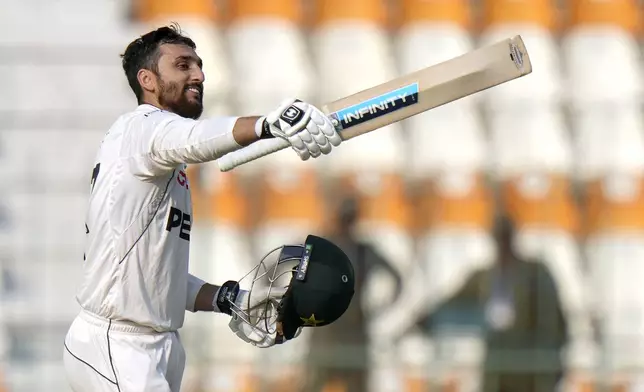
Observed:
{"x":174,"y":98}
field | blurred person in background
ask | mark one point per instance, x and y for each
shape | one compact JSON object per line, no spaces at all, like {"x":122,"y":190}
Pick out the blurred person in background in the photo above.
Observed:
{"x":339,"y":353}
{"x":517,"y":306}
{"x":526,"y":325}
{"x":136,"y":286}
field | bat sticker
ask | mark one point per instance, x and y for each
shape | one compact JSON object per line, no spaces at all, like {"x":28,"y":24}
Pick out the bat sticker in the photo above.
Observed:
{"x":375,"y":107}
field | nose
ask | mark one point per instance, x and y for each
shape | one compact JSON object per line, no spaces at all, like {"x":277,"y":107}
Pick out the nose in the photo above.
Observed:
{"x":197,"y":76}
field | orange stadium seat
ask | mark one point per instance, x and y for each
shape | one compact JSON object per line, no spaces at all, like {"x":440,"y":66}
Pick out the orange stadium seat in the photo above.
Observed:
{"x":381,"y":199}
{"x":614,"y":204}
{"x":153,"y":10}
{"x":290,"y":197}
{"x":541,"y":201}
{"x":330,"y":11}
{"x":453,"y":12}
{"x":290,"y":10}
{"x":624,"y":14}
{"x":611,"y":26}
{"x":542,"y":13}
{"x":223,"y":201}
{"x":536,"y":21}
{"x":463,"y":202}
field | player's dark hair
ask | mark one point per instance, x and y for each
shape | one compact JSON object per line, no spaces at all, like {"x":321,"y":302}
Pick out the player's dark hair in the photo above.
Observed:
{"x":143,"y":53}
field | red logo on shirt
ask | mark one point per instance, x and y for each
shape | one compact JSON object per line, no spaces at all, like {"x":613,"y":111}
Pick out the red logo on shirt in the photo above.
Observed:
{"x":182,"y":179}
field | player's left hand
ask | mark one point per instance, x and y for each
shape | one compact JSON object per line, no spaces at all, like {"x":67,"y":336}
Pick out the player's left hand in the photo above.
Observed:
{"x":308,"y":130}
{"x":258,"y":325}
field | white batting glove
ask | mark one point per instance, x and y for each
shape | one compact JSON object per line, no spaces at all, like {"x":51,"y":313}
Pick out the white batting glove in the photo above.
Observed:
{"x":252,"y":320}
{"x":308,"y":130}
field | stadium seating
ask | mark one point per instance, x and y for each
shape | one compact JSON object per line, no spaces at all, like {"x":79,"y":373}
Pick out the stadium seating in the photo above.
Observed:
{"x":610,"y":28}
{"x":615,"y":241}
{"x":453,"y":218}
{"x":219,"y":252}
{"x":535,"y":21}
{"x":351,"y":46}
{"x":450,"y":136}
{"x":289,"y":205}
{"x":270,"y":63}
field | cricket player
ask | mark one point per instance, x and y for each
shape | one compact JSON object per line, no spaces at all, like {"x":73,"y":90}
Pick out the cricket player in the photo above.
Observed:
{"x":136,"y":286}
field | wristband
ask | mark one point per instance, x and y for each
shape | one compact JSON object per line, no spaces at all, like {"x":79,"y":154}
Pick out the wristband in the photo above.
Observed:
{"x":262,"y":129}
{"x":226,"y":296}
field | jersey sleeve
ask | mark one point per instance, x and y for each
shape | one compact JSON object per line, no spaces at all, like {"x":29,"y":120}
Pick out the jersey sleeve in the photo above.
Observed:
{"x":157,"y":142}
{"x":194,"y":285}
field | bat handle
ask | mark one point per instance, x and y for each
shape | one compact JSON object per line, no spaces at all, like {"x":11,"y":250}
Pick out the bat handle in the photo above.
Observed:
{"x":249,"y":153}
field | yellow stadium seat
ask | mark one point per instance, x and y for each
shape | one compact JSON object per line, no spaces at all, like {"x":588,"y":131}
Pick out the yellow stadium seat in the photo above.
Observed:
{"x":541,"y":202}
{"x":621,"y":13}
{"x":153,"y":10}
{"x":290,"y":10}
{"x":534,"y":12}
{"x":327,"y":11}
{"x":455,"y":12}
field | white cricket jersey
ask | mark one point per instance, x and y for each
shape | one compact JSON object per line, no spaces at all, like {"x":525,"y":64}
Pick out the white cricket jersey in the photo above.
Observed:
{"x":140,"y":213}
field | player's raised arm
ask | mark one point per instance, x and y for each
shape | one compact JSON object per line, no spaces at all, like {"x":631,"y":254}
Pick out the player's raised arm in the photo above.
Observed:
{"x":166,"y":76}
{"x":157,"y":140}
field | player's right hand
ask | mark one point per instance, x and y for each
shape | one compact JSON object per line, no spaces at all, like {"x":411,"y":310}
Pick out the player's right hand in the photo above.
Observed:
{"x":307,"y":129}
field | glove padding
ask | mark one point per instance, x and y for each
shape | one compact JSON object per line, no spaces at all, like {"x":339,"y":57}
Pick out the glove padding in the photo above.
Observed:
{"x":258,"y":318}
{"x":308,"y":130}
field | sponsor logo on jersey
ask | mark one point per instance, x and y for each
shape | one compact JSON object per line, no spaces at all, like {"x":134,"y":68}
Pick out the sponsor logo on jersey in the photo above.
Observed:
{"x":375,"y":107}
{"x":177,"y":219}
{"x":182,"y":179}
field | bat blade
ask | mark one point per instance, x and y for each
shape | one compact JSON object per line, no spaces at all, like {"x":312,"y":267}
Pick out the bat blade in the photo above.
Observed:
{"x":429,"y":88}
{"x":408,"y":95}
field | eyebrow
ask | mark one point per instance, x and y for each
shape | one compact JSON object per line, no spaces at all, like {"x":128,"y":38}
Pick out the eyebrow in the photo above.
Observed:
{"x":190,"y":58}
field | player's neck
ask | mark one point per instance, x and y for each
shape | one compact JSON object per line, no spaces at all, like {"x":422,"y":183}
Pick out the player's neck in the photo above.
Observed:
{"x":152,"y":101}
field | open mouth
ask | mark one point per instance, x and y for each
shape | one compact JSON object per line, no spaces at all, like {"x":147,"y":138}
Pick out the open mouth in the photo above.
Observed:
{"x":195,"y":90}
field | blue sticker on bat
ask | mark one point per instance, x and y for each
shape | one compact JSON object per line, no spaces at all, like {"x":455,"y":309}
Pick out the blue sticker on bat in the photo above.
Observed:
{"x":375,"y":107}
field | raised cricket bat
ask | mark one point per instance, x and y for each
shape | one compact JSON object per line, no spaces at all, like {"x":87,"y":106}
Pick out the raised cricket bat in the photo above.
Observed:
{"x":409,"y":95}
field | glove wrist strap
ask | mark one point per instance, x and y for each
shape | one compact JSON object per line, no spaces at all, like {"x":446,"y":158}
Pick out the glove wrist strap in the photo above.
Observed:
{"x":225,"y":297}
{"x":262,"y":129}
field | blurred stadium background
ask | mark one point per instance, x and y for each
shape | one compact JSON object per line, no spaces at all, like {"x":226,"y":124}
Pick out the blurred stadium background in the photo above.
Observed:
{"x":560,"y":152}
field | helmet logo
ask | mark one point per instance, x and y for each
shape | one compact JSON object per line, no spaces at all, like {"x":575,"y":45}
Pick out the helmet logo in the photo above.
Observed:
{"x":304,"y":263}
{"x":311,"y":321}
{"x":345,"y":279}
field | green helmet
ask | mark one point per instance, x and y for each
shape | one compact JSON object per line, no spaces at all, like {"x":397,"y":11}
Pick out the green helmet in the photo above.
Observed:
{"x":316,"y":285}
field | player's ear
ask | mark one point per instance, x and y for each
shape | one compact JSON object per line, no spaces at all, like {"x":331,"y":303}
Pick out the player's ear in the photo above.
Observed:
{"x":147,"y":80}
